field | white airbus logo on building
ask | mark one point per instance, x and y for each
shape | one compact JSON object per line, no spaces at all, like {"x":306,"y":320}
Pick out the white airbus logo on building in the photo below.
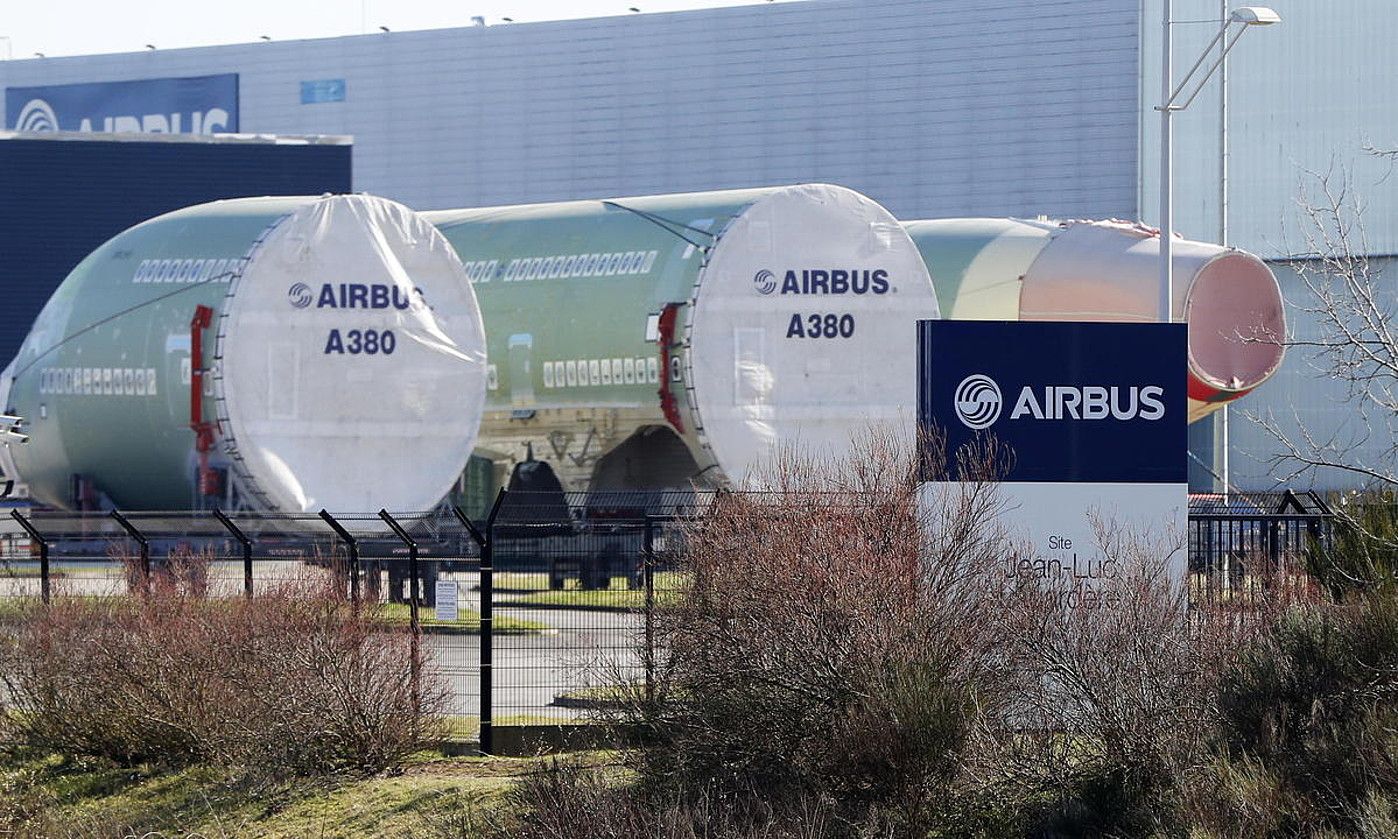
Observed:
{"x":39,"y":115}
{"x":36,"y":115}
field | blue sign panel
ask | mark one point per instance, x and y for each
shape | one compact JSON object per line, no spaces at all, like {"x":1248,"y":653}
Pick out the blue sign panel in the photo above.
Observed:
{"x":193,"y":105}
{"x":1083,"y":402}
{"x":322,"y":90}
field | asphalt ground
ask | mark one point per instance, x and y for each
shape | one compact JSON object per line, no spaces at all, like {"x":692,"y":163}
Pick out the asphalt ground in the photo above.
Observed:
{"x":580,"y":648}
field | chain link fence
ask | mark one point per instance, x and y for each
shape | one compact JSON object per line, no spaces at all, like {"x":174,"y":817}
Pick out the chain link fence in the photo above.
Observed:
{"x":541,"y":612}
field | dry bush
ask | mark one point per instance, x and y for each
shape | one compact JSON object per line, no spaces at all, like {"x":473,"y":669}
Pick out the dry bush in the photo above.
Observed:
{"x":1116,"y":707}
{"x":293,"y":682}
{"x":568,"y":800}
{"x":833,"y":642}
{"x":1314,"y":705}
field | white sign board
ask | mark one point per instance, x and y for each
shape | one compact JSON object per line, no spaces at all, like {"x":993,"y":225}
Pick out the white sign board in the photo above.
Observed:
{"x":446,"y":600}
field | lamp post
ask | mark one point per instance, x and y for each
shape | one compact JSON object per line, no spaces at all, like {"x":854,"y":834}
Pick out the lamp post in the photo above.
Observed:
{"x":1243,"y":18}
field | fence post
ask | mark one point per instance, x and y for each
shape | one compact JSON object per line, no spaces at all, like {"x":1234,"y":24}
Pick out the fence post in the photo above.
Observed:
{"x":414,"y":625}
{"x":486,"y":542}
{"x":142,"y":541}
{"x":247,"y":550}
{"x":351,"y":545}
{"x":649,"y":571}
{"x":43,"y":553}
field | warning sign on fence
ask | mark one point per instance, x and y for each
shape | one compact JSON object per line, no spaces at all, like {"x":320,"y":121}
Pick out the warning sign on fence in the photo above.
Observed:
{"x":446,"y":600}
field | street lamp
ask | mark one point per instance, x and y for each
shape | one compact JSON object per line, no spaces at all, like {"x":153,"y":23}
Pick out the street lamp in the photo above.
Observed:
{"x":1244,"y":17}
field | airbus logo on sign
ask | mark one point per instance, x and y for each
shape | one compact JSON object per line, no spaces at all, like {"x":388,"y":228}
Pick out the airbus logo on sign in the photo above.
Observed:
{"x":764,"y":281}
{"x":978,"y":401}
{"x":1090,"y":403}
{"x":1076,"y":402}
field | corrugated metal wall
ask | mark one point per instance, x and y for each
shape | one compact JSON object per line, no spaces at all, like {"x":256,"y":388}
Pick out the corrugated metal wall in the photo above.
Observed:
{"x":1305,"y":96}
{"x":60,"y":199}
{"x":1303,"y":400}
{"x":956,"y":107}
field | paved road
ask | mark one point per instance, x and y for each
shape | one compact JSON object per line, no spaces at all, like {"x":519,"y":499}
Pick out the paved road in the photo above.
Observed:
{"x":586,"y":649}
{"x":582,"y":649}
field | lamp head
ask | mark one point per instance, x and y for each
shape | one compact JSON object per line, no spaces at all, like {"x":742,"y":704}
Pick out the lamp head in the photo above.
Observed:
{"x":1255,"y":16}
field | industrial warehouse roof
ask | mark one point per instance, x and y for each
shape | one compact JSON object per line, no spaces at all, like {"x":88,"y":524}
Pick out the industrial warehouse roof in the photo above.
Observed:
{"x":153,"y":137}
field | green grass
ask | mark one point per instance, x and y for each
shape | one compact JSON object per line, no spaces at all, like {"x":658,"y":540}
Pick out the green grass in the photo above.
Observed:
{"x":468,"y":728}
{"x":45,"y":796}
{"x":468,"y":620}
{"x":29,"y":569}
{"x":533,"y":590}
{"x":603,"y":695}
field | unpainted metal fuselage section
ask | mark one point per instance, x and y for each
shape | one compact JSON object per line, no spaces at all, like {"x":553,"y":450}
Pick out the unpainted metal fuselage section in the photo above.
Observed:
{"x":607,"y":432}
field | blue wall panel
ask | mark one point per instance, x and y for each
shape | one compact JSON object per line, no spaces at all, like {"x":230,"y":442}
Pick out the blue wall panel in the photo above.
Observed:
{"x":60,"y":199}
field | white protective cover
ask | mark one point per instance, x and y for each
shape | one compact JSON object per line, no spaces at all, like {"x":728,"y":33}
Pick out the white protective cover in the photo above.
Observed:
{"x":311,"y":428}
{"x":755,"y":389}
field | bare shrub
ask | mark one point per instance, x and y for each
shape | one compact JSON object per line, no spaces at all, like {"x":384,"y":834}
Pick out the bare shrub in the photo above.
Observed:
{"x":831,"y":642}
{"x":1315,"y":703}
{"x":1362,"y":554}
{"x":293,"y":682}
{"x":186,"y":571}
{"x":567,"y":800}
{"x":1114,"y":703}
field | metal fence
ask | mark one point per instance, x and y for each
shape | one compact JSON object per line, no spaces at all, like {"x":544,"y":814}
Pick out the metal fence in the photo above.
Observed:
{"x":1245,"y":547}
{"x":555,"y":594}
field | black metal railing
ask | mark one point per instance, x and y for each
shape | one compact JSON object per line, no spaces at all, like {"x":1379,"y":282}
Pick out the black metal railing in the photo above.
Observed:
{"x":558,"y":594}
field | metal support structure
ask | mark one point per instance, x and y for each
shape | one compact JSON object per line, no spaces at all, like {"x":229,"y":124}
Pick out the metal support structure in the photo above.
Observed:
{"x":204,"y":430}
{"x":414,"y":624}
{"x":1167,"y":185}
{"x":44,"y":588}
{"x":1246,"y":17}
{"x":486,"y":541}
{"x":649,"y":558}
{"x":140,"y":540}
{"x":1223,"y":208}
{"x":351,"y":545}
{"x":247,"y":549}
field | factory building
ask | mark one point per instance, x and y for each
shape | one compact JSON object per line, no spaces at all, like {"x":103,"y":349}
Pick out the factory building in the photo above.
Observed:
{"x":955,"y":108}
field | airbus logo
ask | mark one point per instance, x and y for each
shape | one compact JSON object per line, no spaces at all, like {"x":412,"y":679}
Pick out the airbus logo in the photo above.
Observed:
{"x":764,"y":281}
{"x":36,"y":115}
{"x":356,"y":296}
{"x":823,"y":281}
{"x":978,"y":401}
{"x":39,"y":115}
{"x":299,"y":295}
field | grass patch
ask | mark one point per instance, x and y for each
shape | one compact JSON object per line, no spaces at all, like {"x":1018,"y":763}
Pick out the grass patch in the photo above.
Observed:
{"x":468,"y":728}
{"x":29,"y":569}
{"x":468,"y":620}
{"x":512,"y":589}
{"x":44,"y":796}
